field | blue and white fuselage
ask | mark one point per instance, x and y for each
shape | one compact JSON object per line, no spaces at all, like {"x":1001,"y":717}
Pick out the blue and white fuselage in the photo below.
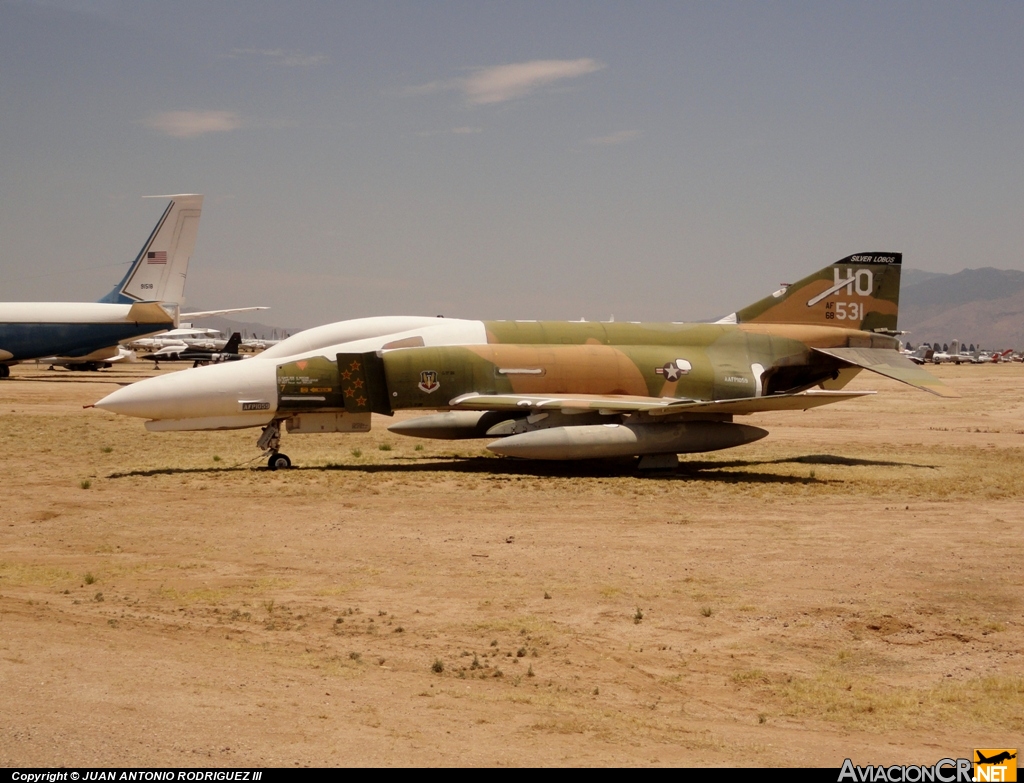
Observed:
{"x":29,"y":330}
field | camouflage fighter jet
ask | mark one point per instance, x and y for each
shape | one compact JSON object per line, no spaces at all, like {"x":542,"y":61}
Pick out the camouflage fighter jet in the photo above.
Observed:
{"x":558,"y":390}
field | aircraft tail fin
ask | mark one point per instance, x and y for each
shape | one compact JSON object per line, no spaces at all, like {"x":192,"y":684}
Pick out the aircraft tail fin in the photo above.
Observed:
{"x":158,"y":272}
{"x":861,"y":291}
{"x":233,"y":343}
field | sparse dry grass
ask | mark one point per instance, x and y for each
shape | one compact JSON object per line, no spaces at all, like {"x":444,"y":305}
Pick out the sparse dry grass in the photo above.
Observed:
{"x":28,"y":574}
{"x":866,"y":704}
{"x":854,"y":600}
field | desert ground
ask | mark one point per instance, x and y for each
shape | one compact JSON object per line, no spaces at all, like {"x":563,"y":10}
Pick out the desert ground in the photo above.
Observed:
{"x":850,"y":586}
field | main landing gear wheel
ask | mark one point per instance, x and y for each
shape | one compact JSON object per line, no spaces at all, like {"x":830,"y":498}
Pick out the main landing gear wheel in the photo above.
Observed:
{"x":5,"y":371}
{"x":279,"y":461}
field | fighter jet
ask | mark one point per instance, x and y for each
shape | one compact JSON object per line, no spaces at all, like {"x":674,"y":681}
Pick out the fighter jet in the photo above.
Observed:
{"x":558,"y":390}
{"x":950,"y":354}
{"x":198,"y":356}
{"x":919,"y":355}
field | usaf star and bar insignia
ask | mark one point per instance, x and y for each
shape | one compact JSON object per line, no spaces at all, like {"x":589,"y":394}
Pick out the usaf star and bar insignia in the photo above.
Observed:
{"x":673,"y":371}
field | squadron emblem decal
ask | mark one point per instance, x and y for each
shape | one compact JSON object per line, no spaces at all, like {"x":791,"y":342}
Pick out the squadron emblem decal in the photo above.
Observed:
{"x":428,"y":381}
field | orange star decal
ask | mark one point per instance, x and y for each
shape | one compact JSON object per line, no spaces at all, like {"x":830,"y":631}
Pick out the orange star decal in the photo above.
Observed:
{"x":358,"y":383}
{"x":350,"y":392}
{"x":354,"y":366}
{"x":360,"y":401}
{"x":346,"y":374}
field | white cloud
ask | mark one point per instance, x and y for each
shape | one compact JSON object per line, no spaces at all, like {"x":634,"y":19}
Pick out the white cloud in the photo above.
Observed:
{"x":501,"y":83}
{"x":614,"y":138}
{"x":282,"y":57}
{"x":505,"y":82}
{"x":189,"y":124}
{"x":429,"y":88}
{"x":464,"y":130}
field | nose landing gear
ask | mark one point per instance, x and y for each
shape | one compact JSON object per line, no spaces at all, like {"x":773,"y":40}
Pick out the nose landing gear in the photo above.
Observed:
{"x":270,"y":442}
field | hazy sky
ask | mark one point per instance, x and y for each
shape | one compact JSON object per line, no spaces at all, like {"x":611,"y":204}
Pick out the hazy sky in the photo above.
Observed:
{"x":647,"y":160}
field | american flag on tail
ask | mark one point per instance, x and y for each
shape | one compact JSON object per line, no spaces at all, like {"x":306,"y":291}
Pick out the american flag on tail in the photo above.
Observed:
{"x":156,"y":257}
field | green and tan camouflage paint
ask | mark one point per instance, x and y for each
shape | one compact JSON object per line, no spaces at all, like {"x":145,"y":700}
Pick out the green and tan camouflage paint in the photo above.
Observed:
{"x":723,"y":369}
{"x":685,"y":361}
{"x":861,"y":291}
{"x":808,"y":334}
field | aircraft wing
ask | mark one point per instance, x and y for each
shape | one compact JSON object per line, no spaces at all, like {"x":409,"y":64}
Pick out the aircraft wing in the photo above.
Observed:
{"x":568,"y":403}
{"x":892,"y":365}
{"x":656,"y":406}
{"x":208,"y":313}
{"x":799,"y":401}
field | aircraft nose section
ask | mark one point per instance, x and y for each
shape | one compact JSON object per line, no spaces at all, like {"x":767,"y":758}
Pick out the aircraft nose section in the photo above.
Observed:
{"x":132,"y":401}
{"x":153,"y":398}
{"x":216,"y":390}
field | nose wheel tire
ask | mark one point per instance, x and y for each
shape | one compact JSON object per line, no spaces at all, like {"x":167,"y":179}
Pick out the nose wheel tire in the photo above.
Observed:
{"x":279,"y":462}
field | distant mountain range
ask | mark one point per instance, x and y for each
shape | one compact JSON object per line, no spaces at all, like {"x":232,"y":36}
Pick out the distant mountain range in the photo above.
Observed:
{"x":246,"y":328}
{"x":981,"y":306}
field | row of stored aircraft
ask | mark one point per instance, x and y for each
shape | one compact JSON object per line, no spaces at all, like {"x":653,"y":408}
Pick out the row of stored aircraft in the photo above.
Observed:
{"x":954,"y":353}
{"x":146,"y":301}
{"x":558,"y":390}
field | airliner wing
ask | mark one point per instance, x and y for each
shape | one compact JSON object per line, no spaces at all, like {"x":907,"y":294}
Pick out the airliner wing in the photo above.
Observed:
{"x":208,"y":313}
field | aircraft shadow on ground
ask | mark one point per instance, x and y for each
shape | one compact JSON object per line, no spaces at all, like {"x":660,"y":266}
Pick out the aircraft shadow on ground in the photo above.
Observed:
{"x":724,"y":471}
{"x":813,"y":459}
{"x":184,"y":471}
{"x":120,"y":380}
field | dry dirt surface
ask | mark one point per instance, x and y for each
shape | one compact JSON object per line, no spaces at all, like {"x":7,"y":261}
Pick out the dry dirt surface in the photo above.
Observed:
{"x":851,"y":586}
